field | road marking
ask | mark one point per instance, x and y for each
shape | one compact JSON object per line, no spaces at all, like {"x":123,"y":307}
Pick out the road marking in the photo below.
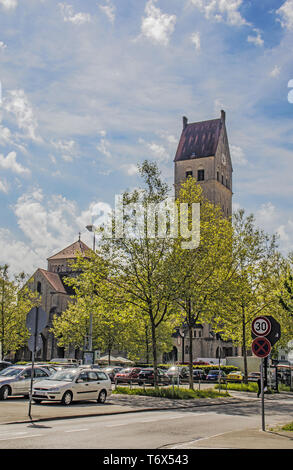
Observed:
{"x":77,"y":430}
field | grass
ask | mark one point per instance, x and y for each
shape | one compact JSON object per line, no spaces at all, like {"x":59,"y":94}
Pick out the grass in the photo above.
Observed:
{"x":169,"y":392}
{"x":250,"y":387}
{"x":288,"y":427}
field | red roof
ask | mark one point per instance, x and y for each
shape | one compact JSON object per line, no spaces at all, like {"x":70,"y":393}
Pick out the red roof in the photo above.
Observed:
{"x":199,"y":139}
{"x":54,"y":280}
{"x":71,"y":251}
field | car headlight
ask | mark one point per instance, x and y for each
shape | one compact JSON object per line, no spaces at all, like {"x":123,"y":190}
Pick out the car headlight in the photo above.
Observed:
{"x":53,"y":390}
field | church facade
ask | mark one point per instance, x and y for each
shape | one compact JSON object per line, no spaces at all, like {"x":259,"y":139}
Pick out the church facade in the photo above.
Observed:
{"x":55,"y":295}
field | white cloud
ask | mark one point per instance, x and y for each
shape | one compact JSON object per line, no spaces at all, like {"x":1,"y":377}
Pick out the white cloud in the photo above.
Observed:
{"x":49,"y":224}
{"x":157,"y":26}
{"x":195,"y":39}
{"x":18,"y":104}
{"x":10,"y":163}
{"x":237,"y":155}
{"x":2,"y":45}
{"x":75,"y":18}
{"x":103,"y":145}
{"x":4,"y":186}
{"x":286,"y":14}
{"x":275,"y":72}
{"x":67,"y":148}
{"x":9,"y":4}
{"x":109,"y":10}
{"x":221,"y":10}
{"x":130,"y":169}
{"x":274,"y":221}
{"x":256,"y":40}
{"x":158,"y":151}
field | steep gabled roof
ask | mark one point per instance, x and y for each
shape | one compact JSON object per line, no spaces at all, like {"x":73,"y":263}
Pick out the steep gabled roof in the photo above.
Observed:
{"x":54,"y":280}
{"x":199,"y":139}
{"x":71,"y":251}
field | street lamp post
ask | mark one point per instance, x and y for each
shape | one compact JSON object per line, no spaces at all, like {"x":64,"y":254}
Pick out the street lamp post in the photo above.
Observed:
{"x":91,"y":228}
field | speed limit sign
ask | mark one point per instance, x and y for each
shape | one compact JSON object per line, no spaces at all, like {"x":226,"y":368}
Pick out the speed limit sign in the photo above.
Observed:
{"x":261,"y":326}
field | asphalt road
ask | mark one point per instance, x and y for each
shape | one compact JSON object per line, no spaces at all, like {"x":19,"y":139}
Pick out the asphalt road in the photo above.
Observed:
{"x":146,"y":430}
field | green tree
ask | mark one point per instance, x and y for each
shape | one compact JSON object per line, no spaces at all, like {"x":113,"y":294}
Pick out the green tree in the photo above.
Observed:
{"x":201,"y":273}
{"x":139,"y":265}
{"x":253,"y":289}
{"x":16,"y":300}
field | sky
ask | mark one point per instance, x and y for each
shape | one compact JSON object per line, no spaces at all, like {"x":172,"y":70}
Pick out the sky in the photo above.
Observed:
{"x":91,"y":88}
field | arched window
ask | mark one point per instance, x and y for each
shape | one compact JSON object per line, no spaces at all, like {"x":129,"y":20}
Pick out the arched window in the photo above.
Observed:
{"x":39,"y":287}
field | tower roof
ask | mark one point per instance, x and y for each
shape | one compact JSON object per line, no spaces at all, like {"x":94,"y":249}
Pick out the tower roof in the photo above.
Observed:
{"x":199,"y":139}
{"x":70,"y":252}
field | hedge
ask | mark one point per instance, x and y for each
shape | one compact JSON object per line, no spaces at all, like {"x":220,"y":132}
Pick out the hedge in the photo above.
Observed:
{"x":170,"y":392}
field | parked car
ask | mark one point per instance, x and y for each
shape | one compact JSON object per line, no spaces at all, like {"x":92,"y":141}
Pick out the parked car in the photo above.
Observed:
{"x":213,"y":375}
{"x":64,"y":362}
{"x":51,"y":369}
{"x":146,"y":376}
{"x":112,"y":371}
{"x":16,"y":380}
{"x":130,"y":374}
{"x":176,"y":371}
{"x":199,"y":374}
{"x":253,"y":376}
{"x":70,"y":385}
{"x":4,"y":364}
{"x":235,"y":376}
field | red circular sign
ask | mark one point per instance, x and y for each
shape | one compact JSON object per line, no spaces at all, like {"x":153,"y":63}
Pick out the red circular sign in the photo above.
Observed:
{"x":261,"y":346}
{"x":261,"y":326}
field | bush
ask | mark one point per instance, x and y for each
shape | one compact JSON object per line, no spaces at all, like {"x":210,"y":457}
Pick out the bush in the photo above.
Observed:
{"x":169,"y":392}
{"x":242,"y":387}
{"x":288,"y":427}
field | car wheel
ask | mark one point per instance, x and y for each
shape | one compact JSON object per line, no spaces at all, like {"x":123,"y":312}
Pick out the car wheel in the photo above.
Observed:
{"x":4,"y":392}
{"x":67,"y":398}
{"x":102,"y":396}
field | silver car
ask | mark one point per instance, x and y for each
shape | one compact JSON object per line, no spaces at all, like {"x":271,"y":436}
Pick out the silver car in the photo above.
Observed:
{"x":16,"y":380}
{"x":70,"y":385}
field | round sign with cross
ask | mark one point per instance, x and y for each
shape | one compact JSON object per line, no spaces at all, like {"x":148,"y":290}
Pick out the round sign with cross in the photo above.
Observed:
{"x":261,"y":326}
{"x":261,"y":347}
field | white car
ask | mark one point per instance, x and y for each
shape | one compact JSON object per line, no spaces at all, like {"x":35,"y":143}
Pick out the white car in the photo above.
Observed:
{"x":16,"y":380}
{"x":70,"y":385}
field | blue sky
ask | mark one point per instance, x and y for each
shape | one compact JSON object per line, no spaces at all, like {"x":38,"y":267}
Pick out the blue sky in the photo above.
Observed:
{"x":90,"y":88}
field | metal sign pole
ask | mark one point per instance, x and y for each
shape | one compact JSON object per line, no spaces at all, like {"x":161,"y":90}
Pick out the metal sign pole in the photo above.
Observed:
{"x":262,"y":395}
{"x":33,"y":362}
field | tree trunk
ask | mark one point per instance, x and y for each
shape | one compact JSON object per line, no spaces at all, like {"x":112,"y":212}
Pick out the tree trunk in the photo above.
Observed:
{"x":190,"y":358}
{"x":154,"y":347}
{"x":2,"y":323}
{"x":244,"y":351}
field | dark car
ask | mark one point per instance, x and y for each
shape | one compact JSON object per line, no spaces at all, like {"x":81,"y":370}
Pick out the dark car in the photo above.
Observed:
{"x":4,"y":364}
{"x":199,"y":374}
{"x":176,"y":372}
{"x":146,"y":376}
{"x":128,"y":375}
{"x":112,"y":371}
{"x":213,"y":376}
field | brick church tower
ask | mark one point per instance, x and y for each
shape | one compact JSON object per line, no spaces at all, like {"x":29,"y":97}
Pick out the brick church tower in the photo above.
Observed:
{"x":203,"y":152}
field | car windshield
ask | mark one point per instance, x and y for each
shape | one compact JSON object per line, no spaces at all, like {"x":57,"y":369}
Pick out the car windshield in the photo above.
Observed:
{"x":125,"y":371}
{"x":10,"y":371}
{"x":63,"y":375}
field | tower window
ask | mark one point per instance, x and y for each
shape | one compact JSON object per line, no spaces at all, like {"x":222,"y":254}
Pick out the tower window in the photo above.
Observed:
{"x":222,"y":179}
{"x":218,"y":176}
{"x":200,"y":175}
{"x":188,"y":173}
